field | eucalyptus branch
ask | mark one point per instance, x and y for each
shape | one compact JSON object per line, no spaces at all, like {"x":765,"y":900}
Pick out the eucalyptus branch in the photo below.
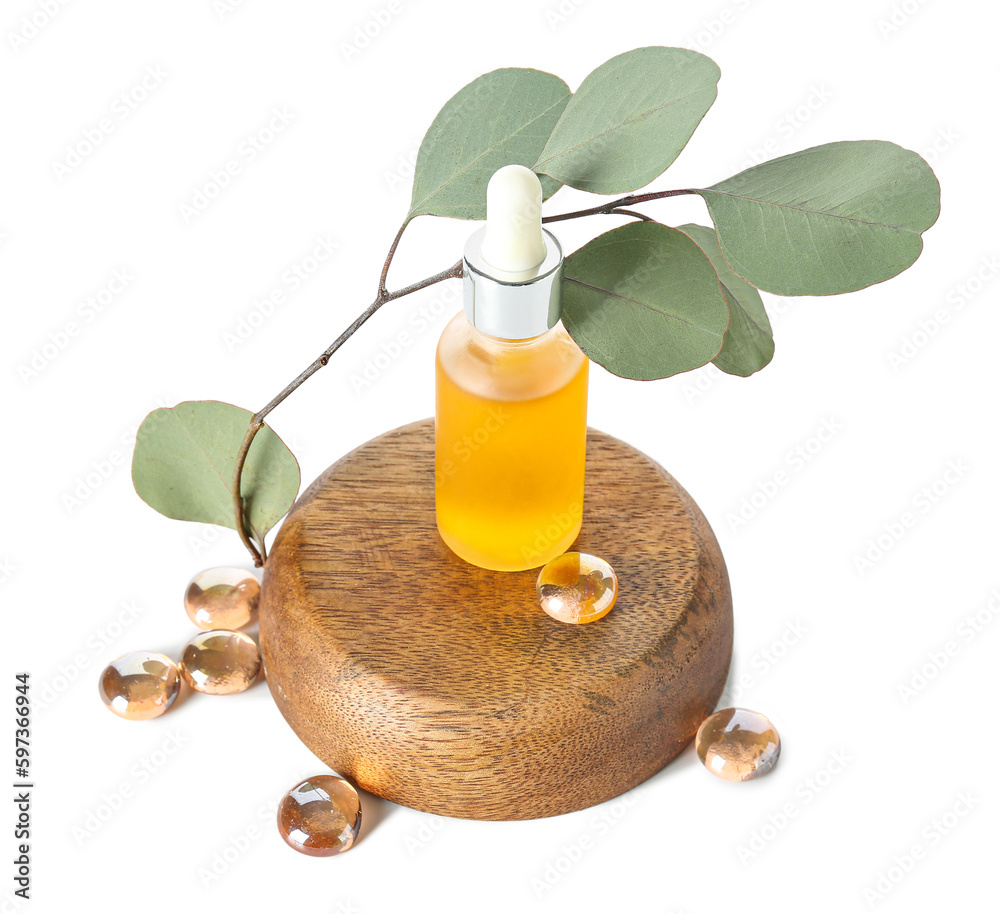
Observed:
{"x":763,"y":227}
{"x":259,"y":556}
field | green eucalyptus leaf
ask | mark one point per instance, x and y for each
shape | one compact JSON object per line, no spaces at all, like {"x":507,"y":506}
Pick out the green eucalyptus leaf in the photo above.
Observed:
{"x":644,"y":301}
{"x":630,"y":119}
{"x":749,"y":345}
{"x":829,"y":219}
{"x":185,"y":458}
{"x":502,"y":118}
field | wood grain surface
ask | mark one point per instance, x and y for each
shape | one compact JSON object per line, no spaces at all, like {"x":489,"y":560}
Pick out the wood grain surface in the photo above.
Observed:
{"x":444,"y":686}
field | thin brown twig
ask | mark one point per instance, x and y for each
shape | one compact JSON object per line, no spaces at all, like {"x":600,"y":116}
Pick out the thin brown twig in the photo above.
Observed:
{"x":257,"y":420}
{"x":382,"y":290}
{"x":611,"y":206}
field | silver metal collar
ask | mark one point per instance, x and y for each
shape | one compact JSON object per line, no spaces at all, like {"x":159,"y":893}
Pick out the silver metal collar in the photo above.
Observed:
{"x":512,"y":309}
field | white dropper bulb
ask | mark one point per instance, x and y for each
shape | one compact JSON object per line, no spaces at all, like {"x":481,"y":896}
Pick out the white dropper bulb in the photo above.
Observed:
{"x":513,"y":242}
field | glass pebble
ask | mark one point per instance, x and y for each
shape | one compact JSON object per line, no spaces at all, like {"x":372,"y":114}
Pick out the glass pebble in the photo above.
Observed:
{"x":577,"y":587}
{"x":737,"y":745}
{"x":222,"y":597}
{"x":320,"y":816}
{"x":220,"y":662}
{"x":140,"y":685}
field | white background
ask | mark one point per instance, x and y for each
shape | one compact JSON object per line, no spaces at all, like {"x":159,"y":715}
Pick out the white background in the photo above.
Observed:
{"x":140,"y":813}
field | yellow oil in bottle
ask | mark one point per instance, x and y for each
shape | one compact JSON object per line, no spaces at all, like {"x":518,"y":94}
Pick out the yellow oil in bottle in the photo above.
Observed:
{"x":510,"y":445}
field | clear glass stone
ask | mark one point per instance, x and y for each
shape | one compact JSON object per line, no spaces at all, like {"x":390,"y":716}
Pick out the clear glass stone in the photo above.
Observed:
{"x":577,"y":587}
{"x":140,"y":685}
{"x":737,"y":745}
{"x":222,"y":597}
{"x":220,"y":662}
{"x":320,"y":816}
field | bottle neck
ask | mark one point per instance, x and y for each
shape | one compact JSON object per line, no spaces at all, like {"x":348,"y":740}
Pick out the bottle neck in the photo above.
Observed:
{"x":523,"y":343}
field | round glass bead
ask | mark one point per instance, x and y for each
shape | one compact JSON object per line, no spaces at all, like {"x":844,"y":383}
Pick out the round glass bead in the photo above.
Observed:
{"x":577,"y":587}
{"x":140,"y":685}
{"x":737,"y":744}
{"x":220,"y":662}
{"x":222,"y":597}
{"x":320,"y":816}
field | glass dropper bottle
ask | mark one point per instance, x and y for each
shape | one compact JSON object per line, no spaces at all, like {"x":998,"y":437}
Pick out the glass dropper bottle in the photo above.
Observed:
{"x":511,"y":416}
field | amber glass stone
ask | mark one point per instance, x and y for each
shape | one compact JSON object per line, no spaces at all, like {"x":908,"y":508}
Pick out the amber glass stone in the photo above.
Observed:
{"x":320,"y":816}
{"x":222,"y":598}
{"x":737,"y":744}
{"x":220,"y":662}
{"x":577,"y":587}
{"x":140,"y":685}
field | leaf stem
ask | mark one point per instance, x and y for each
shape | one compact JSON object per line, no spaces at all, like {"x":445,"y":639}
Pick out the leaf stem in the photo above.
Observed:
{"x":382,"y":290}
{"x":610,"y":207}
{"x":256,"y":421}
{"x":630,"y":212}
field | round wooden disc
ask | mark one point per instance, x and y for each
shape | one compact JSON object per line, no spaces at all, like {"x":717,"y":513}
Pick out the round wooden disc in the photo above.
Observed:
{"x":444,"y":686}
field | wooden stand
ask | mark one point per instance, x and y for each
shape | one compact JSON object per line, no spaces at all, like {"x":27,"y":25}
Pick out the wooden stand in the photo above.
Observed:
{"x":445,"y":687}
